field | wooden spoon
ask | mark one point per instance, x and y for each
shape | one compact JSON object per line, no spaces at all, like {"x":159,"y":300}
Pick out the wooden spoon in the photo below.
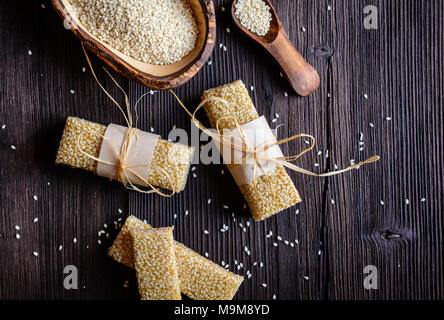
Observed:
{"x":160,"y":77}
{"x":302,"y":76}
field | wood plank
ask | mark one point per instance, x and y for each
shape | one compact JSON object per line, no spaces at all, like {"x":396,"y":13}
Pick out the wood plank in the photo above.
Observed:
{"x":399,"y":66}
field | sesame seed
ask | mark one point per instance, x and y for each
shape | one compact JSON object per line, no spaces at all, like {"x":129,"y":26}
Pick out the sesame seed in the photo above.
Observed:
{"x":388,"y":118}
{"x":222,"y":8}
{"x":152,"y":129}
{"x":371,"y":124}
{"x":306,"y":277}
{"x":60,"y":247}
{"x":316,"y":164}
{"x":228,"y":30}
{"x":83,"y":69}
{"x":423,"y":199}
{"x":297,"y":211}
{"x":275,"y":244}
{"x":17,"y":236}
{"x":332,"y":201}
{"x":157,"y":31}
{"x":209,"y":201}
{"x":303,"y":29}
{"x":13,"y":147}
{"x":281,"y":74}
{"x":206,"y":254}
{"x":29,"y":53}
{"x":35,"y":253}
{"x":42,"y":6}
{"x":119,"y":211}
{"x":381,"y":202}
{"x":17,"y":228}
{"x":254,"y":15}
{"x":279,"y":238}
{"x":36,"y":220}
{"x":4,"y":127}
{"x":329,"y":8}
{"x":35,"y":197}
{"x":75,"y":240}
{"x":72,"y":91}
{"x":264,"y":285}
{"x":365,"y":96}
{"x":210,"y":63}
{"x":407,"y":201}
{"x":274,"y":297}
{"x":252,"y":88}
{"x":186,"y":212}
{"x":206,"y":232}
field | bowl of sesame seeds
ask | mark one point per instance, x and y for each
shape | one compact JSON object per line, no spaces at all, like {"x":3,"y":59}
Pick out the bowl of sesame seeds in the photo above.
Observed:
{"x":159,"y":43}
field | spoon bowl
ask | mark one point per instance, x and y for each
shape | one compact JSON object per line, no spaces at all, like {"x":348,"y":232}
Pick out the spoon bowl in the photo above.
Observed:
{"x":302,"y":76}
{"x":160,"y":77}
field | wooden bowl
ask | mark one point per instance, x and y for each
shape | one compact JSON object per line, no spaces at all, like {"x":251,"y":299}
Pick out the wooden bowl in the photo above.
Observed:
{"x":161,"y":77}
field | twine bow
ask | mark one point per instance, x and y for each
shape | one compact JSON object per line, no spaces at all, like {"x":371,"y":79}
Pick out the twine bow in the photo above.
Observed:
{"x":259,"y":153}
{"x":131,"y":134}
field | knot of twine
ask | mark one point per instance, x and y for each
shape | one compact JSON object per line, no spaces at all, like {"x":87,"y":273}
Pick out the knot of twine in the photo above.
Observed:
{"x":258,"y":154}
{"x":122,"y":169}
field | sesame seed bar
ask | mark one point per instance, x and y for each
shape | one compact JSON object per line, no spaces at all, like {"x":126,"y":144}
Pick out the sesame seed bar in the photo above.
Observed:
{"x":174,"y":158}
{"x":200,"y":278}
{"x":155,"y":264}
{"x":262,"y":201}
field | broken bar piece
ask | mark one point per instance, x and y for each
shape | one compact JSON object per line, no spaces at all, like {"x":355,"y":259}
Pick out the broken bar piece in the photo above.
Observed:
{"x":169,"y":166}
{"x":200,"y":278}
{"x":262,"y":200}
{"x":155,"y":264}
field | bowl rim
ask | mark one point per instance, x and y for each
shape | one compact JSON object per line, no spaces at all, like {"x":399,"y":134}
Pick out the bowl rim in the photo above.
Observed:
{"x":171,"y":81}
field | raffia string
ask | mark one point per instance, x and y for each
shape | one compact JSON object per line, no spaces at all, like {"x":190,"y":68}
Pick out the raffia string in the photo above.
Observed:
{"x":259,"y":153}
{"x":122,"y":169}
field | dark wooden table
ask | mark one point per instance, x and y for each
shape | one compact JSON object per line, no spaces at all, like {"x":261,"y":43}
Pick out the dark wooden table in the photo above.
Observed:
{"x":341,"y":225}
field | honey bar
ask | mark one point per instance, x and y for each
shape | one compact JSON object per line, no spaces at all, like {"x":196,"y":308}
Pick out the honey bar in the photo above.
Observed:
{"x":169,"y":165}
{"x":155,"y":264}
{"x":262,"y":200}
{"x":200,"y":278}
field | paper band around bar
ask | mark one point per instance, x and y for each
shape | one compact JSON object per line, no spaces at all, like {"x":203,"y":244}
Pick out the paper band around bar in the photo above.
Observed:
{"x":140,"y":154}
{"x":258,"y":134}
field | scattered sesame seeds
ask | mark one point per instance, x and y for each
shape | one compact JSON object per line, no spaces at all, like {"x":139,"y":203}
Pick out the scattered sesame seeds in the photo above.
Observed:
{"x":222,"y":8}
{"x":275,"y":244}
{"x":186,"y":212}
{"x":365,"y":96}
{"x":35,"y":253}
{"x":285,"y":94}
{"x":303,"y":29}
{"x":13,"y":147}
{"x":252,"y":88}
{"x":274,"y":120}
{"x":306,"y":277}
{"x":371,"y":125}
{"x":83,"y":69}
{"x":206,"y":232}
{"x":210,"y":63}
{"x":281,"y":74}
{"x":388,"y":118}
{"x":43,"y":6}
{"x":29,"y":53}
{"x":316,"y":164}
{"x":209,"y":201}
{"x":35,"y":197}
{"x":329,"y":7}
{"x":4,"y":127}
{"x":254,"y":15}
{"x":120,"y":211}
{"x":297,"y":211}
{"x":36,"y":220}
{"x":332,"y":201}
{"x":228,"y":30}
{"x":381,"y":202}
{"x":17,"y":228}
{"x":264,"y":285}
{"x":279,"y":238}
{"x":274,"y":297}
{"x":75,"y":240}
{"x":72,"y":91}
{"x":423,"y":199}
{"x":206,"y":254}
{"x":60,"y":247}
{"x":152,"y":129}
{"x":407,"y":201}
{"x":17,"y":236}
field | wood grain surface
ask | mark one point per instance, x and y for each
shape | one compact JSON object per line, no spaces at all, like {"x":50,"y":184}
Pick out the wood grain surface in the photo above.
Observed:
{"x":395,"y":71}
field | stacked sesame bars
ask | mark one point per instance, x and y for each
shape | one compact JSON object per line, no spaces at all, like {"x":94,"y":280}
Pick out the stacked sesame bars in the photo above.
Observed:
{"x":155,"y":264}
{"x":200,"y":278}
{"x":262,"y":201}
{"x":79,"y":134}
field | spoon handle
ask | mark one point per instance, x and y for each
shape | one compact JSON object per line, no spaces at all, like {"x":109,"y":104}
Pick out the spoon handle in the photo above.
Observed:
{"x":303,"y":77}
